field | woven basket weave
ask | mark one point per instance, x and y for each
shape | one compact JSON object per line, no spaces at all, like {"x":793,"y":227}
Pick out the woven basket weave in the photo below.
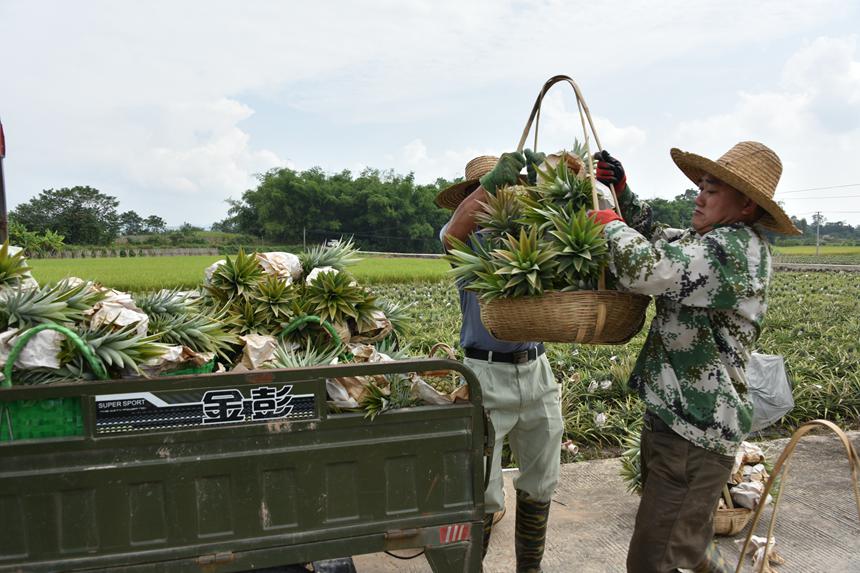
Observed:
{"x":587,"y":316}
{"x":731,"y":521}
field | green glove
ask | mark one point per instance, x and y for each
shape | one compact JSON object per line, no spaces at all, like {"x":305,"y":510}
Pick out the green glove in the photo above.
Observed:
{"x":506,"y":172}
{"x":533,"y":159}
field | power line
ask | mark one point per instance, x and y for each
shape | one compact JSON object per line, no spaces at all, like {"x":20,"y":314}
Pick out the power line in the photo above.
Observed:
{"x":826,"y":197}
{"x":820,"y":188}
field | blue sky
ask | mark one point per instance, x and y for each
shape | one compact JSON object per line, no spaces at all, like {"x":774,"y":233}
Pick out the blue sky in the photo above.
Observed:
{"x":172,"y":107}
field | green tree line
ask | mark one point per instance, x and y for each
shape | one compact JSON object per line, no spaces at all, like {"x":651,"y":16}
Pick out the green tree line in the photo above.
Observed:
{"x":381,"y":210}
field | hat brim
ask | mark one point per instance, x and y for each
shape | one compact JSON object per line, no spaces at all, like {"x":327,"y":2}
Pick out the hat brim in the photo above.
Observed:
{"x":694,"y":166}
{"x":451,"y":197}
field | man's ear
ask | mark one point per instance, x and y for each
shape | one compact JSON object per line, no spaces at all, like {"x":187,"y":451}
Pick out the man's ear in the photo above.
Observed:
{"x":751,"y":210}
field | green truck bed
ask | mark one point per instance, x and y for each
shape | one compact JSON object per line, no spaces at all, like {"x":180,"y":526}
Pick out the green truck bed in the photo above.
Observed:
{"x":231,"y":472}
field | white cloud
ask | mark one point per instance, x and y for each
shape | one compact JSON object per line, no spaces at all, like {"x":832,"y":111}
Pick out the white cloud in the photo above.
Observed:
{"x":150,"y":101}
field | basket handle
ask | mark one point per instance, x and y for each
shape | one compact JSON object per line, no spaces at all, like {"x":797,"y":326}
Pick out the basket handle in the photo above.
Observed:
{"x":584,"y":114}
{"x":449,"y":352}
{"x":23,"y":339}
{"x":782,"y":464}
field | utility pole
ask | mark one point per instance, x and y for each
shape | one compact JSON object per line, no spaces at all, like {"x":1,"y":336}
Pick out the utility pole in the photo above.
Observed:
{"x":304,"y":239}
{"x":4,"y":222}
{"x":817,"y":229}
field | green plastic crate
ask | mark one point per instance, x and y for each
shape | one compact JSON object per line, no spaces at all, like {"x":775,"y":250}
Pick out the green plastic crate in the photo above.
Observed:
{"x":31,"y":419}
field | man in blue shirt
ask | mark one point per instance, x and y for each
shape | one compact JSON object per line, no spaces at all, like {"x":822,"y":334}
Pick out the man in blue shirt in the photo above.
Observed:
{"x":520,"y":392}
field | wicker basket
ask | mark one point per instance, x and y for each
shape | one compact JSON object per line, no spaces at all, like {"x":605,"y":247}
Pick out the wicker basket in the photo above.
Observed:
{"x":730,"y":520}
{"x":587,"y":316}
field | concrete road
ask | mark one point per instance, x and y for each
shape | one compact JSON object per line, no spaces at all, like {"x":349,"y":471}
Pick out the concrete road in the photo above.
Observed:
{"x":818,"y":527}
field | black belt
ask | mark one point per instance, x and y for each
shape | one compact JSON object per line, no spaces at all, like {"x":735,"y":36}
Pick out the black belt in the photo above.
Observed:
{"x":520,"y":357}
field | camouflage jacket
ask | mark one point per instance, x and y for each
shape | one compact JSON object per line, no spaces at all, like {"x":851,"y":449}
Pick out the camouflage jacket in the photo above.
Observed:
{"x":710,"y":295}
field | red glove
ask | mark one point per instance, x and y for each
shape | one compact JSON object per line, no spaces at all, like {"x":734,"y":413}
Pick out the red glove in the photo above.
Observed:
{"x":610,"y":171}
{"x":605,"y":216}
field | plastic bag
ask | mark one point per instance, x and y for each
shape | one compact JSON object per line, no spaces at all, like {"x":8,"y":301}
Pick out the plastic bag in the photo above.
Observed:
{"x":769,"y":389}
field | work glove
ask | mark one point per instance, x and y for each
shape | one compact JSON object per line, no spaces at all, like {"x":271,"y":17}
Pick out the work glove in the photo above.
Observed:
{"x":506,"y":172}
{"x":605,"y":216}
{"x":609,"y":170}
{"x":533,"y":159}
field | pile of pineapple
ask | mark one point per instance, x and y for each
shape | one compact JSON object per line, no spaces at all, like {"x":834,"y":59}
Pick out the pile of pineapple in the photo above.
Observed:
{"x":252,"y":311}
{"x":535,"y":239}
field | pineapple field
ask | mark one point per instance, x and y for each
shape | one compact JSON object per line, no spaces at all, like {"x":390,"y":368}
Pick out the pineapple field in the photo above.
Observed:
{"x":812,"y":321}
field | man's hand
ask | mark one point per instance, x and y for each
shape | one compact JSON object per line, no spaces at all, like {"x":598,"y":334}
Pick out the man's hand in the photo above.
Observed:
{"x":506,"y":172}
{"x":610,"y":171}
{"x":533,"y":159}
{"x":605,"y":216}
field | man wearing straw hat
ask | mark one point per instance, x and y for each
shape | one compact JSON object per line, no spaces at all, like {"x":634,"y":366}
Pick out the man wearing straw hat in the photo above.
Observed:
{"x":520,"y":393}
{"x":709,"y":284}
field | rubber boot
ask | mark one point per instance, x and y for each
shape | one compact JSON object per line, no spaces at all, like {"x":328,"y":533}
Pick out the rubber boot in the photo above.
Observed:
{"x":530,"y":536}
{"x":488,"y":529}
{"x":713,"y":561}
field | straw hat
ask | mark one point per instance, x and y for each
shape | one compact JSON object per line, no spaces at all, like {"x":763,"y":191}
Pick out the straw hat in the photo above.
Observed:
{"x":452,"y":196}
{"x":751,"y":168}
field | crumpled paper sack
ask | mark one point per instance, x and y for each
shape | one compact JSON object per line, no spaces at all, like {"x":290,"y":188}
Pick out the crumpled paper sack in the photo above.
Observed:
{"x":118,"y":308}
{"x":259,"y":349}
{"x":42,"y":350}
{"x":757,"y":546}
{"x":748,"y":494}
{"x":285,"y":266}
{"x":175,"y":358}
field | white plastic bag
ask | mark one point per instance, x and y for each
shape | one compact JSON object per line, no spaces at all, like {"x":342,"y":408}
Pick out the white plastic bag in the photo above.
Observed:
{"x":769,"y":389}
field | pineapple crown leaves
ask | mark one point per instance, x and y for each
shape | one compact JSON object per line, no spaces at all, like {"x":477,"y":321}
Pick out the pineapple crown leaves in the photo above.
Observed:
{"x":79,"y":297}
{"x":527,"y":263}
{"x":560,"y":185}
{"x":13,"y":266}
{"x":365,"y":311}
{"x":166,"y":301}
{"x":249,"y":316}
{"x":288,"y":356}
{"x":467,"y":260}
{"x":337,"y":254}
{"x":49,"y":303}
{"x":199,"y":332}
{"x":333,"y":296}
{"x":236,"y":277}
{"x":583,"y":250}
{"x":399,"y":315}
{"x":118,"y":349}
{"x":276,"y":296}
{"x":501,"y":212}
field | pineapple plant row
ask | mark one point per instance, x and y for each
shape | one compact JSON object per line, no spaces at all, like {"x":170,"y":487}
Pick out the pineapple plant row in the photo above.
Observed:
{"x":534,"y":239}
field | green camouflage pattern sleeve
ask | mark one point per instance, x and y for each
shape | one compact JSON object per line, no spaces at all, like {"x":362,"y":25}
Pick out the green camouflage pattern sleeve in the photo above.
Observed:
{"x":636,"y":213}
{"x":710,"y":296}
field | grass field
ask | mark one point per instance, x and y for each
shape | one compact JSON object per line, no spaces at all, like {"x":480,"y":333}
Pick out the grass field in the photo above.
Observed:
{"x":151,"y":273}
{"x":826,"y":250}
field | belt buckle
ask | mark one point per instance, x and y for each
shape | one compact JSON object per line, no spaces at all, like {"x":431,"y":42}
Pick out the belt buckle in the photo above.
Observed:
{"x":520,"y":357}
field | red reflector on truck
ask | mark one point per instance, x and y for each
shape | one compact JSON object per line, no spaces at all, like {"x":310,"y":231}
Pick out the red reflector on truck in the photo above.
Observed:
{"x":455,"y":533}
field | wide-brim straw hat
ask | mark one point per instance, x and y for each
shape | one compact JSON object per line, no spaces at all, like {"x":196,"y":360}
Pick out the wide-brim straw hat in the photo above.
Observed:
{"x":750,"y":167}
{"x":452,"y":196}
